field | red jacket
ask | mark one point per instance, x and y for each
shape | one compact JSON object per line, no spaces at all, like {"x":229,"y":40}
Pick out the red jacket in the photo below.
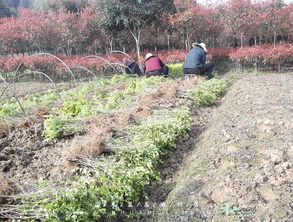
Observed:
{"x":153,"y":63}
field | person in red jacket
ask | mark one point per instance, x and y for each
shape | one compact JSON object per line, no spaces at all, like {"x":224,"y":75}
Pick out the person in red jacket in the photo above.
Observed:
{"x":153,"y":66}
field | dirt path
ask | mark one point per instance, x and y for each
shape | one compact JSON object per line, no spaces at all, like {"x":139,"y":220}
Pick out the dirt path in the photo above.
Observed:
{"x":241,"y":168}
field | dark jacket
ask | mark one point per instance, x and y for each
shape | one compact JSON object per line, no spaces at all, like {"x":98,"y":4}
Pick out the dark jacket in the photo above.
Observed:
{"x":195,"y":58}
{"x":133,"y":68}
{"x":153,"y":63}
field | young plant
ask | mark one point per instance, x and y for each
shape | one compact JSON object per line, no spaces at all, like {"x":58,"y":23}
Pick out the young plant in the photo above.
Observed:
{"x":61,"y":126}
{"x":206,"y":92}
{"x":175,"y":70}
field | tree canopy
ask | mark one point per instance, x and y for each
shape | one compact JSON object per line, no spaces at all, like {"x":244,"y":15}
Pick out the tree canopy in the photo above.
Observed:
{"x":108,"y":25}
{"x":121,"y":14}
{"x":132,"y":15}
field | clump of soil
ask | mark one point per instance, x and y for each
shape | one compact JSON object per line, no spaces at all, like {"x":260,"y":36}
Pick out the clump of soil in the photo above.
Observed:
{"x":26,"y":157}
{"x":4,"y":129}
{"x":241,"y":167}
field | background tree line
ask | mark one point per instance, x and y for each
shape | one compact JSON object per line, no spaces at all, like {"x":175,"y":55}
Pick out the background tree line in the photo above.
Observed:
{"x":98,"y":26}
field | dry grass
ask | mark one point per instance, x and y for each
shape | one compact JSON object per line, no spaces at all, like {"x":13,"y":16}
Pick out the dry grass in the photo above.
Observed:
{"x":167,"y":90}
{"x":117,"y":86}
{"x":98,"y":131}
{"x":5,"y":186}
{"x":37,"y":117}
{"x":123,"y":117}
{"x":187,"y":84}
{"x":4,"y":128}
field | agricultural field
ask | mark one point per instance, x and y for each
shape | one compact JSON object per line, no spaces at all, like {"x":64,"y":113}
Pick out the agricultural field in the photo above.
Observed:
{"x":119,"y":139}
{"x":86,"y":138}
{"x":83,"y":141}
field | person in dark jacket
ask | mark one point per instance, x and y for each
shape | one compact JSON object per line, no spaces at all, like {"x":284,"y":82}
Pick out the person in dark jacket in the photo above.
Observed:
{"x":195,"y":62}
{"x":132,"y":68}
{"x":153,"y":66}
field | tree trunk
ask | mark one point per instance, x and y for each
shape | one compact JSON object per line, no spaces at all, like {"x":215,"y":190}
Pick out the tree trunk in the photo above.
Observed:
{"x":275,"y":37}
{"x":137,"y":42}
{"x":168,"y":37}
{"x":187,"y":41}
{"x":111,"y":45}
{"x":156,"y":41}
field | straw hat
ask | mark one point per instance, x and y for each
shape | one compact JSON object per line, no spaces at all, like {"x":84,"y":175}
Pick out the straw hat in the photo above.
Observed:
{"x":148,"y":56}
{"x":202,"y":45}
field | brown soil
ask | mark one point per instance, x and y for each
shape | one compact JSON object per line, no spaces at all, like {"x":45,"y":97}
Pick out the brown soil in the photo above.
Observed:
{"x":240,"y":167}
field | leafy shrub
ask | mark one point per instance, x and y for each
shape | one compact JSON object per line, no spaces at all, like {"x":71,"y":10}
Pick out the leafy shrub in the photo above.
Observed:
{"x":73,"y":107}
{"x":119,"y":78}
{"x":217,"y":87}
{"x":11,"y":109}
{"x":79,"y":203}
{"x":175,"y":70}
{"x":264,"y":54}
{"x":206,"y":92}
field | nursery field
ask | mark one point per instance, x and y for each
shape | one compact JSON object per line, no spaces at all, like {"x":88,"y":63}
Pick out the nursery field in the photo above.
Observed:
{"x":107,"y":148}
{"x":84,"y":153}
{"x":118,"y":148}
{"x":82,"y":141}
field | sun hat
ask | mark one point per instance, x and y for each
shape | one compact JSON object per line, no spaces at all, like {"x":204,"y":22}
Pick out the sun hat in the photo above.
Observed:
{"x":148,"y":56}
{"x":203,"y":45}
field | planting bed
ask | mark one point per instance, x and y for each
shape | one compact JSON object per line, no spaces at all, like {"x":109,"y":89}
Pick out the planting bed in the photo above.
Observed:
{"x":78,"y":141}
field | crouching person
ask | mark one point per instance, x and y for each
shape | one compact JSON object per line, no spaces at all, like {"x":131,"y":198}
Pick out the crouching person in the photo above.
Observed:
{"x":132,"y":68}
{"x":195,"y":62}
{"x":153,"y":66}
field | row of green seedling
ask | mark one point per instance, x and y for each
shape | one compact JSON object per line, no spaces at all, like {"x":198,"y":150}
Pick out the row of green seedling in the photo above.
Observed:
{"x":11,"y":109}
